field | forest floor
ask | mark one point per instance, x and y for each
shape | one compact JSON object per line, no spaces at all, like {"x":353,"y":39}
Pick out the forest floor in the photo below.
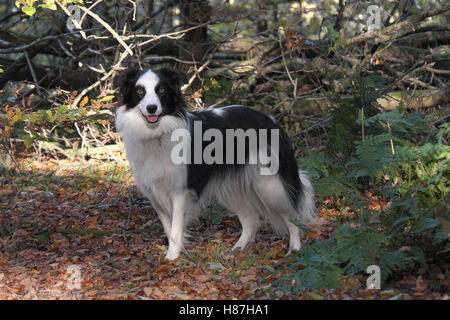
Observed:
{"x":57,"y":216}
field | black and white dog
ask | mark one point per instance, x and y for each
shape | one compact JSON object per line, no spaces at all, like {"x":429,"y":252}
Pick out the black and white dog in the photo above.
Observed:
{"x":154,"y":110}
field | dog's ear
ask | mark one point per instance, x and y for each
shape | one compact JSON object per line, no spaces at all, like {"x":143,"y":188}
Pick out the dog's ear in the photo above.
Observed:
{"x":125,"y":81}
{"x":176,"y":77}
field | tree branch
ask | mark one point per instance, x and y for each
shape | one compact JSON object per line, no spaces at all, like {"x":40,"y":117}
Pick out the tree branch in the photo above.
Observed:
{"x":397,"y":30}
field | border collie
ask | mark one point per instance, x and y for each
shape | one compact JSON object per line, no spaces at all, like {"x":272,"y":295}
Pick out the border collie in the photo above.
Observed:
{"x":153,"y":109}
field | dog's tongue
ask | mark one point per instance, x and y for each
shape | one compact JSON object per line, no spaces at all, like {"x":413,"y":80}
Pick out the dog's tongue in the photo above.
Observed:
{"x":152,"y":118}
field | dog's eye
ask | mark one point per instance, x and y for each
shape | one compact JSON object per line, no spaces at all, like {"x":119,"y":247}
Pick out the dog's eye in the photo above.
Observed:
{"x":140,"y":92}
{"x":161,"y":90}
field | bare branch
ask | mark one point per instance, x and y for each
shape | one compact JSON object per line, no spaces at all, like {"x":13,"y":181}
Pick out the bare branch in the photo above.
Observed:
{"x":397,"y":30}
{"x":108,"y":27}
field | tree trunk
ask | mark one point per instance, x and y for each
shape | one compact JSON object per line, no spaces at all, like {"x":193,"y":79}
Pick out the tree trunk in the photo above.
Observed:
{"x":194,"y":45}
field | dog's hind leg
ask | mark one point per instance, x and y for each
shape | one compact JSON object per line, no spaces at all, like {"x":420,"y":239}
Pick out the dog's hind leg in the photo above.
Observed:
{"x":305,"y":212}
{"x":278,"y":208}
{"x":249,"y":220}
{"x":248,"y":217}
{"x":294,"y":233}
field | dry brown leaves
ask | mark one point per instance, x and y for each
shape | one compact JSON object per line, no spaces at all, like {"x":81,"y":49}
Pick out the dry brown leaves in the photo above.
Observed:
{"x":55,"y":215}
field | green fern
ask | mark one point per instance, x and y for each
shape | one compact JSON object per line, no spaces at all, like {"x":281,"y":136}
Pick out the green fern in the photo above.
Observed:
{"x":398,"y":158}
{"x":320,"y":268}
{"x":372,"y":156}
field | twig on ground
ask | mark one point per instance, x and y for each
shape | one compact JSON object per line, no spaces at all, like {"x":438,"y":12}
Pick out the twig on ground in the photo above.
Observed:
{"x":314,"y":126}
{"x":33,"y":74}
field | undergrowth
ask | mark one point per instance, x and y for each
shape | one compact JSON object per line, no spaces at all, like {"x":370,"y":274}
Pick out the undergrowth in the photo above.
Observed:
{"x":398,"y":157}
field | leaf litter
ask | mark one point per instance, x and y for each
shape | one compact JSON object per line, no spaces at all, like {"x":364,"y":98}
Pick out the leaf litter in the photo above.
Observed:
{"x":55,"y":214}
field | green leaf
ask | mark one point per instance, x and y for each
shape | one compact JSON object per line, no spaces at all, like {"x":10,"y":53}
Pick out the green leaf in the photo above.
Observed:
{"x":29,"y":10}
{"x":182,"y":296}
{"x":107,"y":98}
{"x":17,"y":117}
{"x":28,"y":140}
{"x":267,"y":267}
{"x":61,"y":111}
{"x":216,"y":266}
{"x":51,"y":6}
{"x":439,"y":236}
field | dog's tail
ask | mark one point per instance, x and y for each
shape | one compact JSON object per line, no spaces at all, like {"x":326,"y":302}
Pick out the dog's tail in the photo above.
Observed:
{"x":306,"y":207}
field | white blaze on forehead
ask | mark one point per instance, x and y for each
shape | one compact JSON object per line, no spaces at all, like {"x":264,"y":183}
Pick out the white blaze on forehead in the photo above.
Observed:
{"x":149,"y":80}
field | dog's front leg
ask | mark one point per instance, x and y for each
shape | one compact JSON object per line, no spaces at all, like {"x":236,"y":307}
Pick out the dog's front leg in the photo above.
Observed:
{"x":176,"y":232}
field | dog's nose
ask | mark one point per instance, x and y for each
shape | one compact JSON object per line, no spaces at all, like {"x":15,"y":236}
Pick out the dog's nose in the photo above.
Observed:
{"x":152,"y":108}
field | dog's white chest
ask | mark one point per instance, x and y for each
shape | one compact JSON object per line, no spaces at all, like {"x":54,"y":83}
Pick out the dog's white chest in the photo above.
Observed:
{"x":156,"y":176}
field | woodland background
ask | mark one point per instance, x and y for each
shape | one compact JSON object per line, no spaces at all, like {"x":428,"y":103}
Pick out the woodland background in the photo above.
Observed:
{"x":367,"y":111}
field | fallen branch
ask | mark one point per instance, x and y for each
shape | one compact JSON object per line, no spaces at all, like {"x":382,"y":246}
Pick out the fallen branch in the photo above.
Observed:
{"x":397,"y":30}
{"x":420,"y":99}
{"x":314,"y":126}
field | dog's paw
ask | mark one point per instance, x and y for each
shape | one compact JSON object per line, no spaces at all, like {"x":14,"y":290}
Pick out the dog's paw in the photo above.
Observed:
{"x":294,"y":244}
{"x":172,"y":255}
{"x":238,"y":247}
{"x":293,"y":249}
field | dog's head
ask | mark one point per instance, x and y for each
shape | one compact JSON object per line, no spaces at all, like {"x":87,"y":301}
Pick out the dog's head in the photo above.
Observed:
{"x":155,"y":93}
{"x":152,"y":97}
